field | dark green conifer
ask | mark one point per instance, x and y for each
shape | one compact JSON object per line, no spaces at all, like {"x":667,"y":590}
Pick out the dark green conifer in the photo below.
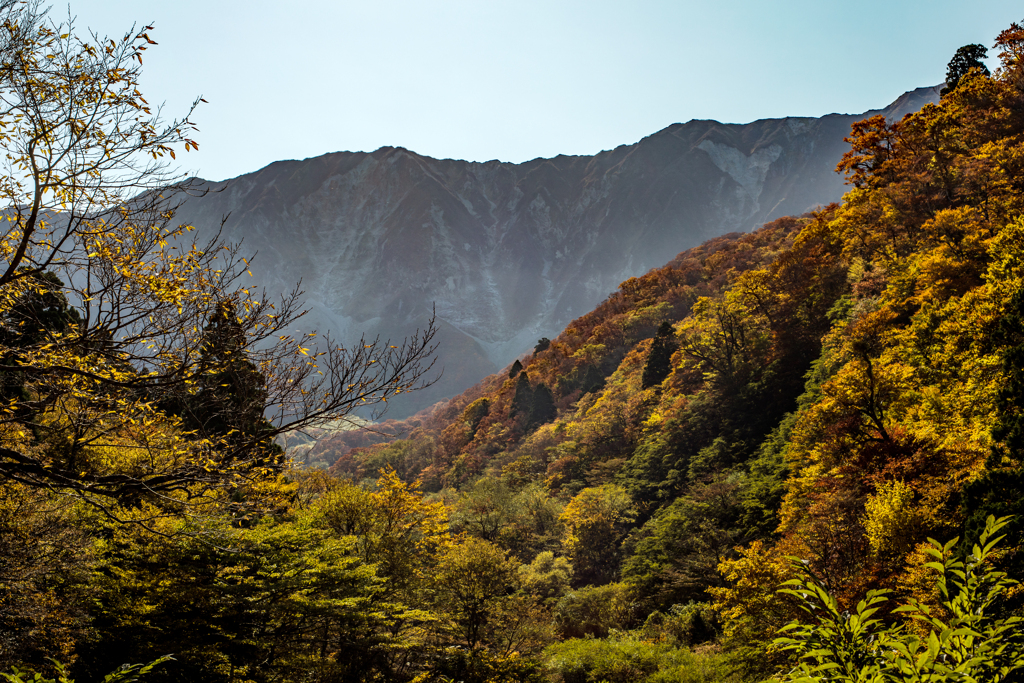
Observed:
{"x":544,"y":409}
{"x":522,"y":400}
{"x":659,"y":360}
{"x":516,"y":368}
{"x":228,"y":407}
{"x":40,"y":313}
{"x":1008,"y":431}
{"x":966,"y":58}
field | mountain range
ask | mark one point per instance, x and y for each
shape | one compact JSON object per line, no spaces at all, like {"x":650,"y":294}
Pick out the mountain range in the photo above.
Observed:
{"x":509,"y":253}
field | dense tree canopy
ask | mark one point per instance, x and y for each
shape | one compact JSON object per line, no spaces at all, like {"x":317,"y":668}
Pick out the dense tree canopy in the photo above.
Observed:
{"x":839,"y":386}
{"x":622,"y":504}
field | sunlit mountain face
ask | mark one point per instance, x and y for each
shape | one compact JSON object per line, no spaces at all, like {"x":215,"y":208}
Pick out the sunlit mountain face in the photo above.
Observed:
{"x":509,"y":253}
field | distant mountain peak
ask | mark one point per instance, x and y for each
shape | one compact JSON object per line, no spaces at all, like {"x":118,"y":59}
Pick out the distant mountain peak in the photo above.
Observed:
{"x":509,"y":253}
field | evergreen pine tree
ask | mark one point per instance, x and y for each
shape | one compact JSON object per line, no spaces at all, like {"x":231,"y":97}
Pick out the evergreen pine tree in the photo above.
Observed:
{"x":38,"y":314}
{"x":544,"y":409}
{"x":228,"y":407}
{"x":1008,"y":432}
{"x":516,"y":368}
{"x":659,"y":360}
{"x":522,"y":400}
{"x":966,"y":58}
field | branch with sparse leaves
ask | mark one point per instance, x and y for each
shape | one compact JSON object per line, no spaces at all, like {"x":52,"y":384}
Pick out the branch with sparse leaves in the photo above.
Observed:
{"x":114,"y":385}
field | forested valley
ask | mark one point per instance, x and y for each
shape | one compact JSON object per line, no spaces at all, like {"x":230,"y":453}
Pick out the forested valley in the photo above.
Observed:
{"x":791,"y":454}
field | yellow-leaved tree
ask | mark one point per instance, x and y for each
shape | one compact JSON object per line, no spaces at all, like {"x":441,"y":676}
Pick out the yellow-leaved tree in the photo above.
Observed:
{"x":136,"y":366}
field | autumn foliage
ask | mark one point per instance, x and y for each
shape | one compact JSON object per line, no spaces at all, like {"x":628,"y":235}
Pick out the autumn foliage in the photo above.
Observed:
{"x":623,"y":503}
{"x":839,"y":387}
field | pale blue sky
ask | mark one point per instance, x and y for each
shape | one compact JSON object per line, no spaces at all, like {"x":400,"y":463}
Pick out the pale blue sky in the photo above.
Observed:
{"x":521,"y":79}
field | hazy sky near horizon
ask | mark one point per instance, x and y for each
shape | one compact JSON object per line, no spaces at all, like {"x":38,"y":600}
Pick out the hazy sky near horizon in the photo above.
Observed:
{"x":482,"y":79}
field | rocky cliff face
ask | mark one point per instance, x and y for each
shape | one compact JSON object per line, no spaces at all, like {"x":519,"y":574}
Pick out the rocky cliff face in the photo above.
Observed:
{"x":509,"y":253}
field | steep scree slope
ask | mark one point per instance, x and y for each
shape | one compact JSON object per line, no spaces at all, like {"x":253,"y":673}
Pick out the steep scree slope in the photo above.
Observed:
{"x":510,"y":253}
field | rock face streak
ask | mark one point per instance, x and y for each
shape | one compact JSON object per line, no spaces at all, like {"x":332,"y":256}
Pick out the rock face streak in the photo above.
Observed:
{"x":509,"y":253}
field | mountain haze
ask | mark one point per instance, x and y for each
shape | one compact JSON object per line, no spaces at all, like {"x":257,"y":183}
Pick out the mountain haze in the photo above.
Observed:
{"x":509,"y":253}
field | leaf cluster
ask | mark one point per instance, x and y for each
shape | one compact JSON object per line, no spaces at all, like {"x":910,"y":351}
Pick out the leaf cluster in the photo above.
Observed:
{"x":966,"y":640}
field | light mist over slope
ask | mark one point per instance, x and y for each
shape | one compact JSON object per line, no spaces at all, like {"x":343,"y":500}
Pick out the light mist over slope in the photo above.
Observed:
{"x":509,"y":253}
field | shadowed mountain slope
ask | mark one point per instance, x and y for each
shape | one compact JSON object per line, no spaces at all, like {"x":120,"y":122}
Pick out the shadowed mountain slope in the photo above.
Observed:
{"x":509,"y":253}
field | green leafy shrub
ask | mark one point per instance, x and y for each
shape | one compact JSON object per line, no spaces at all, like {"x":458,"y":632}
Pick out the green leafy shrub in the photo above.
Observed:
{"x":593,"y":610}
{"x":627,"y":659}
{"x":127,"y":673}
{"x":547,"y":577}
{"x":457,"y":665}
{"x":686,"y":625}
{"x":968,"y":641}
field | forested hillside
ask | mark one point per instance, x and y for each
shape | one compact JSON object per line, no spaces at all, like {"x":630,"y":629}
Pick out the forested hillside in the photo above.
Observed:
{"x":837,"y":387}
{"x":623,"y":504}
{"x":507,"y":253}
